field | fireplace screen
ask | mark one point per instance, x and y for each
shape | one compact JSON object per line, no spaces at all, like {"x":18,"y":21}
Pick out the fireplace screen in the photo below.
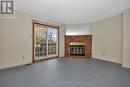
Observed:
{"x":77,"y":49}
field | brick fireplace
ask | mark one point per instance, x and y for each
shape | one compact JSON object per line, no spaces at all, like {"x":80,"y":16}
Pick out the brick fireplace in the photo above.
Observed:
{"x":78,"y":45}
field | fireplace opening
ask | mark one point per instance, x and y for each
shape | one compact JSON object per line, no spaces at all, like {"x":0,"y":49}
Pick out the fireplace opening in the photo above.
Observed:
{"x":77,"y":48}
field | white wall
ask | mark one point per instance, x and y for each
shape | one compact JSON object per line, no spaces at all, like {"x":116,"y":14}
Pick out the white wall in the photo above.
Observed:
{"x":77,"y":29}
{"x":16,"y":40}
{"x":61,"y":41}
{"x":107,"y":39}
{"x":126,"y":38}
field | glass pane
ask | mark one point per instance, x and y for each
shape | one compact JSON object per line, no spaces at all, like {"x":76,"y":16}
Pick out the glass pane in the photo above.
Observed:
{"x":52,"y":40}
{"x":40,"y":37}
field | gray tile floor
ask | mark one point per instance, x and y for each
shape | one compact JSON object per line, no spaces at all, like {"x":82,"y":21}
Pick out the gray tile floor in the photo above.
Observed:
{"x":66,"y":73}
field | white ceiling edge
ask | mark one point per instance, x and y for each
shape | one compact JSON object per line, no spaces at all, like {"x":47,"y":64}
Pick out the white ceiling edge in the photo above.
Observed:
{"x":94,"y":19}
{"x":103,"y":17}
{"x":40,"y":19}
{"x":107,"y":16}
{"x":73,"y":11}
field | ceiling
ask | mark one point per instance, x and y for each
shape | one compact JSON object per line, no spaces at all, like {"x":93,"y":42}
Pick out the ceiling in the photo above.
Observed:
{"x":73,"y":11}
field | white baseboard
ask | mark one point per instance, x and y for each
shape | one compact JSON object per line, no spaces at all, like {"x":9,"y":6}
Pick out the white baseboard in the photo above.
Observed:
{"x":7,"y":67}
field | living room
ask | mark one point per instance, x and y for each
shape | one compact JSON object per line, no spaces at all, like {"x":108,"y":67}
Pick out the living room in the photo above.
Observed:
{"x":88,"y":38}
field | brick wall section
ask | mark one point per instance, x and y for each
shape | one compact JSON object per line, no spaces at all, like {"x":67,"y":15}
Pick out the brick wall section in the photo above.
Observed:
{"x":79,"y":38}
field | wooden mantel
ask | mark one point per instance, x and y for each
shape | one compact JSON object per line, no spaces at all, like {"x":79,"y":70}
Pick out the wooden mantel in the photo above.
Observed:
{"x":79,"y":38}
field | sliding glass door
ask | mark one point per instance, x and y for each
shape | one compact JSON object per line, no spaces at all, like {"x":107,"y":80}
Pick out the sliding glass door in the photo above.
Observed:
{"x":52,"y":36}
{"x":45,"y":41}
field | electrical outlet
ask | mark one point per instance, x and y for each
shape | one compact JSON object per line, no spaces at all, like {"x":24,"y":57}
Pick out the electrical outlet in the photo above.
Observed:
{"x":23,"y":57}
{"x":103,"y":54}
{"x":30,"y":36}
